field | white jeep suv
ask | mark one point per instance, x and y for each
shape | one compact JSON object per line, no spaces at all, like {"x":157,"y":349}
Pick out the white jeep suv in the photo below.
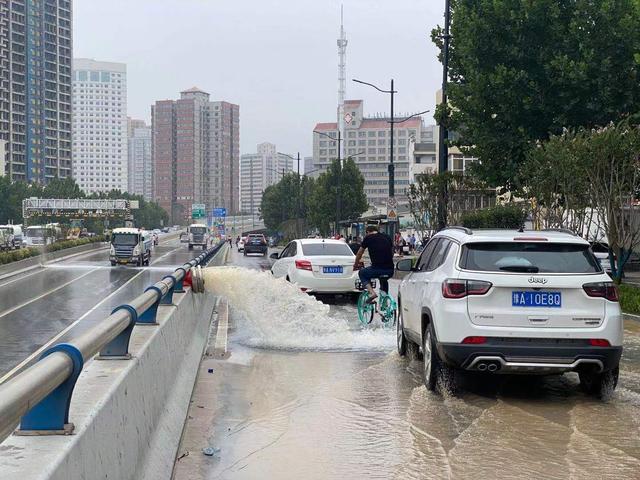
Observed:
{"x":506,"y":301}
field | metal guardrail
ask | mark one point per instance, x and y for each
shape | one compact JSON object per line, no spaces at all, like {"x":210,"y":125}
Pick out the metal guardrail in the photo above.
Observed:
{"x":39,"y":397}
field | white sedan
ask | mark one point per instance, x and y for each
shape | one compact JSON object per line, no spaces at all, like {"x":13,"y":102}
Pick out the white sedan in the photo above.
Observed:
{"x":241,"y":245}
{"x":317,"y":265}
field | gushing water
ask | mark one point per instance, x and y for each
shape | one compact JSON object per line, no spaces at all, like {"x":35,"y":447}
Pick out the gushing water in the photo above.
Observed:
{"x":273,"y":313}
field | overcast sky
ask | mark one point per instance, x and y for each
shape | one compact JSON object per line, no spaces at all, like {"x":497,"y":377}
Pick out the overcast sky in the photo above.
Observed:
{"x":277,"y":59}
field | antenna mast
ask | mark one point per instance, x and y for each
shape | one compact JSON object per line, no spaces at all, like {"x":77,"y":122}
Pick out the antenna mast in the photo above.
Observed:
{"x":342,"y":79}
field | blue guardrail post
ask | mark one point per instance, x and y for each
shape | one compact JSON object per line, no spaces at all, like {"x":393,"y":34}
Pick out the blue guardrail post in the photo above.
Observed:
{"x":51,"y":415}
{"x":118,"y":348}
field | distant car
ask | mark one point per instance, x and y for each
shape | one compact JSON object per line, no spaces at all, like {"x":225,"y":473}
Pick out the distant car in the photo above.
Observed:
{"x":184,"y":237}
{"x":241,"y":245}
{"x":317,"y":266}
{"x":601,"y":251}
{"x":165,"y":230}
{"x":157,"y":231}
{"x":256,"y":243}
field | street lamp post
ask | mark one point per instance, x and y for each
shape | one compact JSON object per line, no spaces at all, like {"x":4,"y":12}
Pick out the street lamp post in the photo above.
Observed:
{"x":339,"y":188}
{"x":443,"y":158}
{"x":298,"y":226}
{"x":392,"y":122}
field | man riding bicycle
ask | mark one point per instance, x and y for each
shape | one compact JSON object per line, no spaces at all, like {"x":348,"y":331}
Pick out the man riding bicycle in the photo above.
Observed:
{"x":380,"y":248}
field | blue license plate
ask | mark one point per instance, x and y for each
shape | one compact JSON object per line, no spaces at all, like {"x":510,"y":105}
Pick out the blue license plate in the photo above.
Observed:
{"x":331,"y":269}
{"x":536,"y":299}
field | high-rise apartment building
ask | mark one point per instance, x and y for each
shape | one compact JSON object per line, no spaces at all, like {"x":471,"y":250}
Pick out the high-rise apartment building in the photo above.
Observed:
{"x":35,"y":88}
{"x":368,"y":142}
{"x":258,"y":171}
{"x":195,"y":148}
{"x":100,"y":125}
{"x":223,"y":183}
{"x":140,"y":165}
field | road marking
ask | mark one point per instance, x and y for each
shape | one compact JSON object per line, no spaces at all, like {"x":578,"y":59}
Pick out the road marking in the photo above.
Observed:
{"x":49,"y":292}
{"x":220,"y":347}
{"x":35,"y":354}
{"x":63,"y":332}
{"x":42,"y":268}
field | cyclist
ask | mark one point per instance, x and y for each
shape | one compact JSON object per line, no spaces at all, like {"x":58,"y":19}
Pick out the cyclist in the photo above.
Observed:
{"x":380,"y":248}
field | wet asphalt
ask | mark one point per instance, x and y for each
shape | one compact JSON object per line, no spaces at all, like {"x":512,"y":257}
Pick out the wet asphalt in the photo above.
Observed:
{"x":64,"y":299}
{"x":288,"y":413}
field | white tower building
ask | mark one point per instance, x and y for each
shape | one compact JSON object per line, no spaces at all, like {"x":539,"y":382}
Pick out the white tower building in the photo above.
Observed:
{"x":99,"y":104}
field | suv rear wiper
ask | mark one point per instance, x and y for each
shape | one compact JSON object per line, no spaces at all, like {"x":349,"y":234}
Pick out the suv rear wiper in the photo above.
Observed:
{"x":520,"y":268}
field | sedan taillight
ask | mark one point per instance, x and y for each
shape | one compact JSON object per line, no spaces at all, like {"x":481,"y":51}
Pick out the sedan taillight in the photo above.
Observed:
{"x":303,"y":265}
{"x":602,"y":290}
{"x":457,"y":288}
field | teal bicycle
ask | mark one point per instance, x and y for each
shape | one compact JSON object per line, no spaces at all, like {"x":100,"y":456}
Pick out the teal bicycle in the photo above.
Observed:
{"x":385,"y":305}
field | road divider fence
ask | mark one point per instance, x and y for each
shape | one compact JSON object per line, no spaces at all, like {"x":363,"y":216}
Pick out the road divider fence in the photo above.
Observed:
{"x":38,"y":399}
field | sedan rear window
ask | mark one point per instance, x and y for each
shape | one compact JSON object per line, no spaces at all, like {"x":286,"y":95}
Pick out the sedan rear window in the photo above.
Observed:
{"x":338,"y":249}
{"x":529,"y":257}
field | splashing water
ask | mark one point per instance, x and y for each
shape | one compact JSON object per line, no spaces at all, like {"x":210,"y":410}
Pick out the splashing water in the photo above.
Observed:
{"x":273,"y":313}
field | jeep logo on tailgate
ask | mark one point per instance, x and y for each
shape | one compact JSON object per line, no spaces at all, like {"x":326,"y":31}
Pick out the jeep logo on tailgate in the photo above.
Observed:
{"x":540,"y":280}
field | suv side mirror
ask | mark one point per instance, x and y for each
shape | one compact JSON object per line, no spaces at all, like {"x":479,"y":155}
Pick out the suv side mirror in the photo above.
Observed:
{"x":274,"y":256}
{"x":404,"y":265}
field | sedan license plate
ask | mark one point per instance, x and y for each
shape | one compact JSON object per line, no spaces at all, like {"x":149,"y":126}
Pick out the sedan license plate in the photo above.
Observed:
{"x":331,"y":269}
{"x":536,"y":299}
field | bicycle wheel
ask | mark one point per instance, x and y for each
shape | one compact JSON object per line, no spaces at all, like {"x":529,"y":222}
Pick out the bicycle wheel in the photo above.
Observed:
{"x":365,"y":310}
{"x":388,"y":309}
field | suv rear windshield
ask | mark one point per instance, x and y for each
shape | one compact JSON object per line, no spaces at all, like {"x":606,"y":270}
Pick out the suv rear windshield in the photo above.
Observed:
{"x":528,"y":257}
{"x":313,"y":249}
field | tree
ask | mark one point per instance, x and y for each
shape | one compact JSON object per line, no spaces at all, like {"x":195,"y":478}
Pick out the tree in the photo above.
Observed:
{"x":522,"y":70}
{"x":63,"y":188}
{"x":353,"y":201}
{"x":285,"y":206}
{"x":559,"y":188}
{"x":612,"y":157}
{"x":12,"y":195}
{"x":462,"y":191}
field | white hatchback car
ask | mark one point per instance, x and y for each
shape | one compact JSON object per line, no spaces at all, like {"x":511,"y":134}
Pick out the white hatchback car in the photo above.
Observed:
{"x":317,"y":265}
{"x":505,"y":301}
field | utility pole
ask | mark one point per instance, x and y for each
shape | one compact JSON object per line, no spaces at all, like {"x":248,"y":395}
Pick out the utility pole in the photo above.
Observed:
{"x":443,"y":159}
{"x":339,"y":190}
{"x":392,"y":167}
{"x":300,"y":193}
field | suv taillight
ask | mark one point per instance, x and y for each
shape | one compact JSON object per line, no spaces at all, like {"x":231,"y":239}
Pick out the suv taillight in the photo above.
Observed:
{"x":303,"y":265}
{"x":601,"y":289}
{"x":457,"y":288}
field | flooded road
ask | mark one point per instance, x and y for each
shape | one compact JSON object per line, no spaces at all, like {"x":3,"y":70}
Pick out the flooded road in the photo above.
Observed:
{"x":306,"y":393}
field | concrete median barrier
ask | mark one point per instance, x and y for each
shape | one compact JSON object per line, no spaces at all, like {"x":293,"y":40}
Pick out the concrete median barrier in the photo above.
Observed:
{"x":128,"y":414}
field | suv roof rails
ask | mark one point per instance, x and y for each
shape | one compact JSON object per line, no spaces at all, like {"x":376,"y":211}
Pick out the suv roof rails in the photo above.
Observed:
{"x":466,"y":230}
{"x":561,"y":230}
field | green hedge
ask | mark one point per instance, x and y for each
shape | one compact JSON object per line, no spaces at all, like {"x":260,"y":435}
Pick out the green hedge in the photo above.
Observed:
{"x":15,"y":255}
{"x":73,"y":243}
{"x":629,"y":298}
{"x":500,"y":216}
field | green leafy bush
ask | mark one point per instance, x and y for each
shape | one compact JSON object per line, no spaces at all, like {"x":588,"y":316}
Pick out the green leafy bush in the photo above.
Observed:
{"x":16,"y":255}
{"x":500,"y":216}
{"x":629,"y":298}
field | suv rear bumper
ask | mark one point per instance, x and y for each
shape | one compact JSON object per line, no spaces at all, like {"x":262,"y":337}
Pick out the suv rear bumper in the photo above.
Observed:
{"x":255,"y":248}
{"x":529,"y":357}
